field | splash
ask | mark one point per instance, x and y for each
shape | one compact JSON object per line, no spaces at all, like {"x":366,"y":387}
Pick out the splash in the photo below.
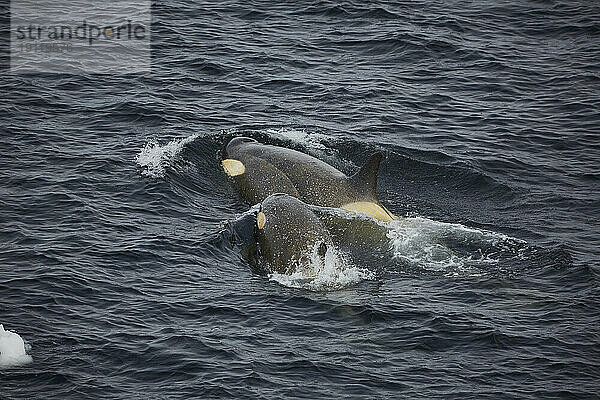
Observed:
{"x":316,"y":144}
{"x":300,"y":136}
{"x":452,"y":249}
{"x":332,"y":272}
{"x":12,"y":349}
{"x":154,"y":158}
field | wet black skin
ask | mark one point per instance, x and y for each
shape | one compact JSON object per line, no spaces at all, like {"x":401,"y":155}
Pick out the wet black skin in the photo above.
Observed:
{"x":272,"y":169}
{"x":290,"y":234}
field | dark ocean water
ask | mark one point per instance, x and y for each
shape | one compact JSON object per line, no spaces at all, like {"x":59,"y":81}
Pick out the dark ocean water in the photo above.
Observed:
{"x":122,"y":247}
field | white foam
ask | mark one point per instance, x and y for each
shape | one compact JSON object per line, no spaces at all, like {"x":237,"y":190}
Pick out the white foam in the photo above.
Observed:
{"x":300,"y":136}
{"x":154,"y":158}
{"x":423,"y":242}
{"x":331,"y":272}
{"x":12,"y":349}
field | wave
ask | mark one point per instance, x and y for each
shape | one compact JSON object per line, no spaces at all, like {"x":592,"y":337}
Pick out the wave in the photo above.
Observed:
{"x":154,"y":157}
{"x":449,"y":248}
{"x":299,"y":136}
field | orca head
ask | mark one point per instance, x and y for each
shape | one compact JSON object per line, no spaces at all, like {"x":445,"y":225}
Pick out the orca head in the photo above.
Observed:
{"x":233,"y":144}
{"x":288,"y":232}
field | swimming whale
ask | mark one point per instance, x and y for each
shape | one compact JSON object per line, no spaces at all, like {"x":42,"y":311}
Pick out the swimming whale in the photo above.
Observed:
{"x":260,"y":170}
{"x":289,"y":234}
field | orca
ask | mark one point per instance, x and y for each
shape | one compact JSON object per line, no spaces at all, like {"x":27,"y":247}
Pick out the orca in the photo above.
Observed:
{"x":260,"y":170}
{"x":289,"y":234}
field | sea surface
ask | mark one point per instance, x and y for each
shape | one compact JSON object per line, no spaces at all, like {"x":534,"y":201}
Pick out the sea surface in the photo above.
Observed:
{"x":123,"y":245}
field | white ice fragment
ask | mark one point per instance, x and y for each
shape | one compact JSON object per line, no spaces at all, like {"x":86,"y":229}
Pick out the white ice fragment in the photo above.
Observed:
{"x":12,"y":349}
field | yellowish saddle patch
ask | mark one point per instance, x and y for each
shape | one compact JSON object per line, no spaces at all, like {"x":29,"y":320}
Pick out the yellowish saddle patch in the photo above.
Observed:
{"x":233,"y":167}
{"x":374,"y":210}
